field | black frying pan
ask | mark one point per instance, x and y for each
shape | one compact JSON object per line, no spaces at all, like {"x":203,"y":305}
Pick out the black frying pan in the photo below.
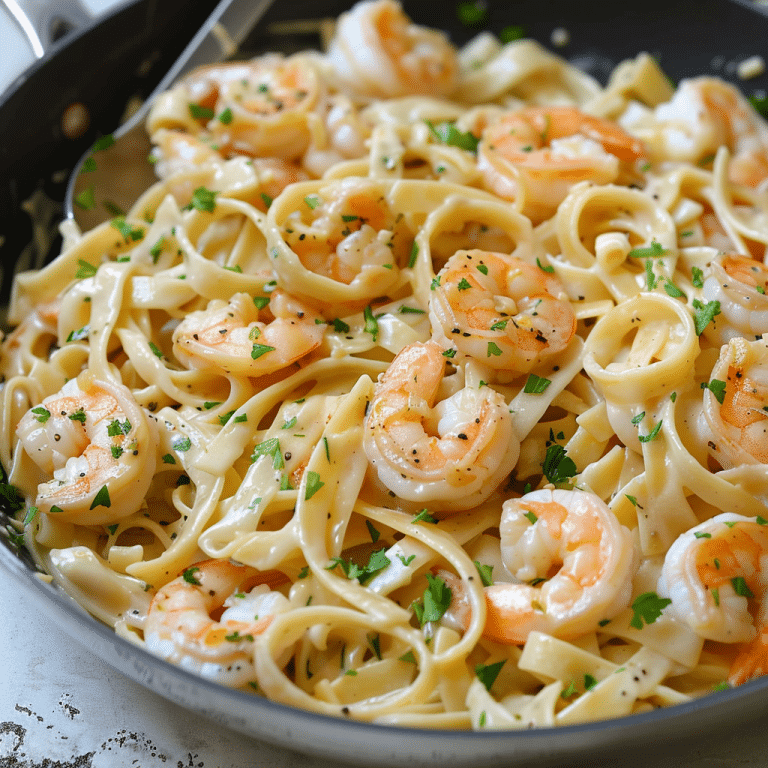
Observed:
{"x":103,"y":66}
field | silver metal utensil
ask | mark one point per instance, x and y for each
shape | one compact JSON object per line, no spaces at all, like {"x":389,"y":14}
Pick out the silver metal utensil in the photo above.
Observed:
{"x":109,"y":176}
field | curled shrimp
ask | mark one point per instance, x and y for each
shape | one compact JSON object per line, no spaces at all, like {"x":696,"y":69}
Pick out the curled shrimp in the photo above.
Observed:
{"x":706,"y":113}
{"x":500,"y":311}
{"x":99,"y":445}
{"x":378,"y":51}
{"x":715,"y":575}
{"x":537,"y":154}
{"x":258,"y":108}
{"x":739,"y":283}
{"x":232,"y":336}
{"x":179,"y":626}
{"x":185,"y":162}
{"x":736,"y":404}
{"x":345,"y":231}
{"x":575,"y":535}
{"x":454,"y":454}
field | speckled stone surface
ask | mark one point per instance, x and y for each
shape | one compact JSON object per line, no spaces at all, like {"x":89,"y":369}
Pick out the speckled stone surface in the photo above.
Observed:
{"x":61,"y":707}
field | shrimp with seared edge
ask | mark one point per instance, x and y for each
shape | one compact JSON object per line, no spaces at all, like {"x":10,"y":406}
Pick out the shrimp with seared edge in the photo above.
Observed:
{"x":536,"y":155}
{"x":576,"y":562}
{"x":736,"y":404}
{"x":716,"y":575}
{"x":258,"y":108}
{"x":341,"y":231}
{"x":378,"y":51}
{"x":233,"y":337}
{"x":453,"y":454}
{"x":180,"y":626}
{"x":499,"y":311}
{"x":185,"y":162}
{"x":99,"y":445}
{"x":706,"y":113}
{"x":739,"y":283}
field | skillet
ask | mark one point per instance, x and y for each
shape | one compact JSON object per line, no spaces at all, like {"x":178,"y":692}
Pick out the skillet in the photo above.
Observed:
{"x":133,"y":46}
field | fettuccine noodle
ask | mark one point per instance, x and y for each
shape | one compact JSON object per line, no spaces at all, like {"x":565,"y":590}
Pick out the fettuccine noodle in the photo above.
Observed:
{"x":426,"y":386}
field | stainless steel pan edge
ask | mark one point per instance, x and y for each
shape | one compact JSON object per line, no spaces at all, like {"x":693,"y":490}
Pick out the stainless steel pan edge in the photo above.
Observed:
{"x":688,"y":37}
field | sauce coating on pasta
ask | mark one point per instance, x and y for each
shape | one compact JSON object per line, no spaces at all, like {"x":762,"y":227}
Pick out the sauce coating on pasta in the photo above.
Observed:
{"x":425,"y":387}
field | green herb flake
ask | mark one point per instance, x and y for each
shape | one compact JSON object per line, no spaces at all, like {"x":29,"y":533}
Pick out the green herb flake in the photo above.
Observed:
{"x":202,"y":200}
{"x":339,"y":326}
{"x":85,"y":270}
{"x":536,"y":385}
{"x":697,"y":277}
{"x":717,"y":388}
{"x":226,"y":116}
{"x":652,"y":435}
{"x":702,"y":535}
{"x":314,"y":484}
{"x":424,"y":517}
{"x":590,"y":681}
{"x":511,"y":33}
{"x":647,"y":608}
{"x":740,"y":587}
{"x":486,"y":573}
{"x":493,"y":350}
{"x":102,"y":498}
{"x":373,"y":531}
{"x":371,"y":323}
{"x":406,"y":561}
{"x":544,"y":267}
{"x":407,"y":657}
{"x":447,"y":133}
{"x":182,"y":444}
{"x":312,"y":201}
{"x":435,"y":601}
{"x":653,"y":251}
{"x":156,"y":351}
{"x":260,"y":349}
{"x":78,"y":415}
{"x":704,"y":314}
{"x":531,"y":517}
{"x":558,"y":467}
{"x":189,"y":576}
{"x":487,"y":673}
{"x":41,"y":414}
{"x":270,"y":447}
{"x":673,"y":291}
{"x":168,"y":459}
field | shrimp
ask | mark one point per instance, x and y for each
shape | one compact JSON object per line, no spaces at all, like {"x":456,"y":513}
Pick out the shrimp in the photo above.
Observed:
{"x":341,"y":232}
{"x":500,"y":311}
{"x":453,"y":454}
{"x":736,"y":404}
{"x":185,"y":162}
{"x":739,"y":283}
{"x":258,"y":108}
{"x":179,"y":626}
{"x":99,"y":445}
{"x":706,"y":113}
{"x":537,"y":154}
{"x":716,"y":575}
{"x":378,"y":51}
{"x":571,"y":542}
{"x":230,"y":337}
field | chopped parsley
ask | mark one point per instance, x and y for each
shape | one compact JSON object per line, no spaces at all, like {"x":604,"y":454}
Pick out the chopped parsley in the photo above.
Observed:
{"x":487,"y":673}
{"x":202,"y":200}
{"x":371,"y":323}
{"x":653,"y":251}
{"x":314,"y":484}
{"x":486,"y":573}
{"x":101,"y":499}
{"x":448,"y":133}
{"x":376,"y":562}
{"x":717,"y":388}
{"x":647,"y":608}
{"x":260,"y":349}
{"x":189,"y":576}
{"x":41,"y":414}
{"x":84,"y":269}
{"x":558,"y":467}
{"x":652,"y":435}
{"x":704,"y":314}
{"x":536,"y":385}
{"x":424,"y":517}
{"x":270,"y":447}
{"x":435,"y":601}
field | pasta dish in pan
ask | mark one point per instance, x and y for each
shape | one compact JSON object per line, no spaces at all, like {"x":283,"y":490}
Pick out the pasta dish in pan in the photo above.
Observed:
{"x":426,"y":386}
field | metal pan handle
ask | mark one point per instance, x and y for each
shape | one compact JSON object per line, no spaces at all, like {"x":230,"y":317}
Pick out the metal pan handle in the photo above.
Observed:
{"x":44,"y":22}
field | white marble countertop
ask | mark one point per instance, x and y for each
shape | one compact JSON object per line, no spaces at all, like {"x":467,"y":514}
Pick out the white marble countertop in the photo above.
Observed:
{"x":62,"y":707}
